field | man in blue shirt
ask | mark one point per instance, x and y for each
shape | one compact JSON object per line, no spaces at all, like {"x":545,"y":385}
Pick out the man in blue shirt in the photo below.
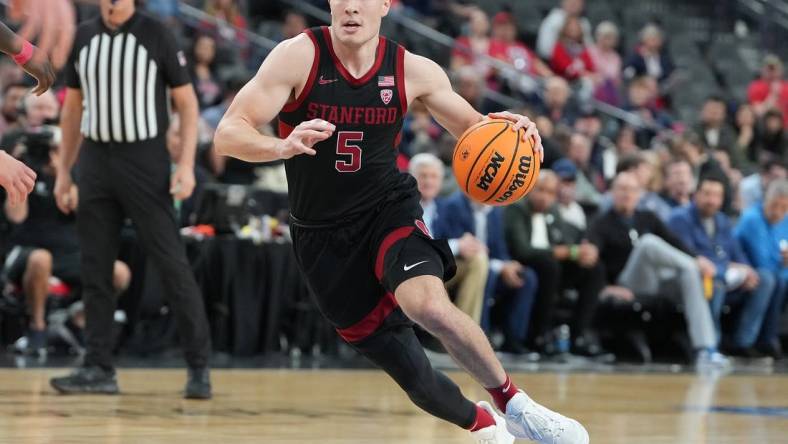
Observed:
{"x":704,"y":228}
{"x":763,"y":234}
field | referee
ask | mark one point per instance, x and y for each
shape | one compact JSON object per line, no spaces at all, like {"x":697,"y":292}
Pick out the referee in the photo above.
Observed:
{"x":118,"y":74}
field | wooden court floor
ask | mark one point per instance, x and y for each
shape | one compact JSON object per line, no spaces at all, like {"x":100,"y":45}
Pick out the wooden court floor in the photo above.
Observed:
{"x":332,"y":407}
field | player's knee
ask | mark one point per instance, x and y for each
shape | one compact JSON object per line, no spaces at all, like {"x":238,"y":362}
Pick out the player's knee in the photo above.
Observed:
{"x":39,"y":263}
{"x":425,"y":302}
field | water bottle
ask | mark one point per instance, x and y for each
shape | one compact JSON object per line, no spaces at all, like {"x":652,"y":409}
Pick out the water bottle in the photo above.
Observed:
{"x":562,"y":341}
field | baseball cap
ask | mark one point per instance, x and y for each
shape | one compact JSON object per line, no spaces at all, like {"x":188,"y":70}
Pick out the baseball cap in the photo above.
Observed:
{"x":565,"y":169}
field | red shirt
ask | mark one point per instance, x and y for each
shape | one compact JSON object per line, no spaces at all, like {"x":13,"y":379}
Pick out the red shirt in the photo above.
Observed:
{"x":759,"y":91}
{"x":568,"y":66}
{"x":511,"y":53}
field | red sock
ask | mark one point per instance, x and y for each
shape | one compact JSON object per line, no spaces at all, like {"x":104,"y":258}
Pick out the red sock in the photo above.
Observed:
{"x":501,"y":395}
{"x":483,"y":419}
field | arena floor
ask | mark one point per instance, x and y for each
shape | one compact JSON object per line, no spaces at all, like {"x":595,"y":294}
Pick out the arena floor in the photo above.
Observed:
{"x":364,"y":406}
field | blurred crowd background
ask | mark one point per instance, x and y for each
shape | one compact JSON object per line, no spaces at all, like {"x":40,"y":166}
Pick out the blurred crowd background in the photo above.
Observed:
{"x":658,"y":222}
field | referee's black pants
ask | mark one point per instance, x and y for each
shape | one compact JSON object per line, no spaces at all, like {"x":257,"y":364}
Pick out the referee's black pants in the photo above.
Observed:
{"x":133,"y":179}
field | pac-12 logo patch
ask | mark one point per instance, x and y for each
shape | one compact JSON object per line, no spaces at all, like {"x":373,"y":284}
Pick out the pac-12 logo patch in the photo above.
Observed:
{"x":386,"y":95}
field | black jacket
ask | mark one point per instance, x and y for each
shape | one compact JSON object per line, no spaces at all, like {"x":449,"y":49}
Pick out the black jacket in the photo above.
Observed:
{"x":517,"y":226}
{"x":613,"y":235}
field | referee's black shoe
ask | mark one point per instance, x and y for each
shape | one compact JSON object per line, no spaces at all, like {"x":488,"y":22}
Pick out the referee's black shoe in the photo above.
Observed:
{"x":199,"y":384}
{"x":86,"y":380}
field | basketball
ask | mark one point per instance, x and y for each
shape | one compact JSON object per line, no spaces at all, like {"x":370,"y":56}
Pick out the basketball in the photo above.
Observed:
{"x":493,"y":165}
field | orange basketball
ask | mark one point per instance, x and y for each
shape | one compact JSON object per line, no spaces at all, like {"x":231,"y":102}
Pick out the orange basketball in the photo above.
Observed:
{"x":493,"y":165}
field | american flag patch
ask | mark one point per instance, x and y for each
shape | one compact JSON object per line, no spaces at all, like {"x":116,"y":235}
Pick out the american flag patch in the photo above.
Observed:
{"x":385,"y":81}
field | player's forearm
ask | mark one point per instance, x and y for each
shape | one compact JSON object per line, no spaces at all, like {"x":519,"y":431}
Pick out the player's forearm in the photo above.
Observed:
{"x":10,"y":43}
{"x":69,"y":146}
{"x":235,"y":137}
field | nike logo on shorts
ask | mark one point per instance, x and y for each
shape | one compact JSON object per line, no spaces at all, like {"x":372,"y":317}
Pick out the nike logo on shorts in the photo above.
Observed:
{"x":410,"y":267}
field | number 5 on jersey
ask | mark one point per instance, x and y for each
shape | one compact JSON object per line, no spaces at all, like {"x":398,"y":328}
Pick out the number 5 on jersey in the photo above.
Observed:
{"x":350,"y":160}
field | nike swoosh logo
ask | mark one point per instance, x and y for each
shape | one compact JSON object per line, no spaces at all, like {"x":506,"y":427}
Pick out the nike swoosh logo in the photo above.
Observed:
{"x":409,"y":267}
{"x":323,"y":81}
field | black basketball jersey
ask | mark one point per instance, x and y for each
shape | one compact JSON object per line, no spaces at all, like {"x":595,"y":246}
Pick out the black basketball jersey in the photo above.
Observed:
{"x":355,"y":169}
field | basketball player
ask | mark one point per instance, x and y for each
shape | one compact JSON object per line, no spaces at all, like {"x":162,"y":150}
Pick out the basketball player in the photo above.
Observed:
{"x":15,"y":177}
{"x":340,"y":94}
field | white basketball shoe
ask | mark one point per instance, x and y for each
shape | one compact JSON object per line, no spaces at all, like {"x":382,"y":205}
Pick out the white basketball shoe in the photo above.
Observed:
{"x":527,"y":419}
{"x":497,"y":434}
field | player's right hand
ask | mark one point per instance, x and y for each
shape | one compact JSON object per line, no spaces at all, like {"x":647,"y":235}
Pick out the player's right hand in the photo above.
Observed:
{"x":17,"y":179}
{"x":304,"y":137}
{"x":65,"y":192}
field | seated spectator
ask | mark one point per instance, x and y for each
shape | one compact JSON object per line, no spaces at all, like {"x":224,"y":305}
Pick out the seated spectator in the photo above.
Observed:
{"x":746,"y":132}
{"x":420,"y":132}
{"x":570,"y":210}
{"x":589,"y":181}
{"x":206,"y":83}
{"x":13,"y":93}
{"x":641,"y":100}
{"x":38,"y":111}
{"x":607,"y":62}
{"x":553,"y":23}
{"x":652,"y":59}
{"x":635,"y":248}
{"x":770,"y":91}
{"x":649,"y":200}
{"x":509,"y":282}
{"x":571,"y":58}
{"x":704,"y":228}
{"x":468,"y":48}
{"x":556,"y":104}
{"x":44,"y":243}
{"x":537,"y":235}
{"x":715,"y":132}
{"x":625,"y":143}
{"x":773,"y":140}
{"x":679,"y":183}
{"x":690,"y":148}
{"x":505,"y":46}
{"x":753,"y":186}
{"x":472,"y":263}
{"x":763,"y":233}
{"x":229,"y":30}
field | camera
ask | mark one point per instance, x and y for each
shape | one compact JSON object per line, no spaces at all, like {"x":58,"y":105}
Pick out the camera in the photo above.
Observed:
{"x":36,"y":145}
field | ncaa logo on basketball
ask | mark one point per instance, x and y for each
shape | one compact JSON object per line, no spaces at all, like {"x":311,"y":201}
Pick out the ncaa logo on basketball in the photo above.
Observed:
{"x":465,"y":153}
{"x":519,"y":179}
{"x":386,"y":95}
{"x":490,"y":171}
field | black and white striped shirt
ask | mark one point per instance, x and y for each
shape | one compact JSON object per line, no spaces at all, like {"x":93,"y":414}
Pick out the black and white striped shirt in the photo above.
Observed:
{"x":124,"y":75}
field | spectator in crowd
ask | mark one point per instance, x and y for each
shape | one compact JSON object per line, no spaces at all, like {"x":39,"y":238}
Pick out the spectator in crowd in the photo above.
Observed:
{"x":571,"y":58}
{"x":44,"y":243}
{"x":38,"y":111}
{"x":589,"y":181}
{"x":468,"y":48}
{"x":651,"y":59}
{"x":690,"y":147}
{"x":294,"y":23}
{"x":774,"y":138}
{"x":185,"y":209}
{"x":715,"y":132}
{"x":13,"y":93}
{"x":508,"y":282}
{"x":228,"y":27}
{"x":679,"y":183}
{"x":556,"y":104}
{"x":166,"y":10}
{"x":607,"y":63}
{"x":770,"y":91}
{"x":763,"y":234}
{"x":570,"y":210}
{"x":753,"y":186}
{"x":746,"y":132}
{"x":505,"y":46}
{"x":553,"y":23}
{"x":704,"y":228}
{"x":649,"y":200}
{"x":589,"y":123}
{"x":641,"y":95}
{"x":206,"y":83}
{"x":420,"y":132}
{"x":636,"y":247}
{"x":537,"y":235}
{"x":469,"y":283}
{"x":625,"y":143}
{"x":469,"y":84}
{"x":212,"y":115}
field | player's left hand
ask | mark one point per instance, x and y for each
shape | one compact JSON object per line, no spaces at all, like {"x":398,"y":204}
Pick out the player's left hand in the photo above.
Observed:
{"x":182,"y":182}
{"x":41,"y":68}
{"x":521,"y":121}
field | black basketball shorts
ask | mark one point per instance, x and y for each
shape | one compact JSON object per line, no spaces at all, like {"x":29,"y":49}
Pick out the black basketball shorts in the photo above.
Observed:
{"x":353,"y":267}
{"x":65,"y":267}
